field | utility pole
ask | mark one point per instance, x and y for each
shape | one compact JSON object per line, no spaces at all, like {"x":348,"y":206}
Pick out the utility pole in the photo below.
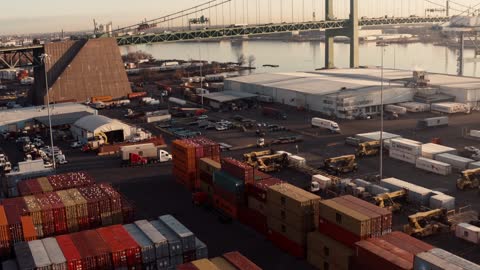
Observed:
{"x":381,"y":118}
{"x":45,"y":57}
{"x":447,"y":8}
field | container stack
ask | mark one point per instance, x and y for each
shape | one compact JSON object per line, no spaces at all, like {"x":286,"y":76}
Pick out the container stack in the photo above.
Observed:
{"x":392,"y":251}
{"x":344,"y":221}
{"x":132,"y":246}
{"x":228,"y":193}
{"x":58,"y":212}
{"x":468,"y":232}
{"x":405,"y":150}
{"x":186,"y":154}
{"x":206,"y":168}
{"x":430,"y":150}
{"x":228,"y":261}
{"x":255,"y":213}
{"x":457,"y":162}
{"x":440,"y":259}
{"x":54,"y":183}
{"x":291,"y":214}
{"x":433,"y":166}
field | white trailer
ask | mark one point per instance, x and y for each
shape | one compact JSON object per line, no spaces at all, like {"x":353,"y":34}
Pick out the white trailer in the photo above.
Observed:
{"x":407,"y":146}
{"x":433,"y":122}
{"x":158,"y":118}
{"x":450,"y":107}
{"x":327,"y":124}
{"x":434,"y":166}
{"x":396,"y":109}
{"x":320,"y":182}
{"x":415,"y":106}
{"x":468,"y":232}
{"x":457,"y":162}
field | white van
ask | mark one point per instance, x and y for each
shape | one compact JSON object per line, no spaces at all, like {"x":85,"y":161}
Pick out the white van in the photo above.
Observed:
{"x":324,"y":123}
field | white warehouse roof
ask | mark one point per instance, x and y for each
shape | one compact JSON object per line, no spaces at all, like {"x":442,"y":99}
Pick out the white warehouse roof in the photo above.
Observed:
{"x":100,"y":123}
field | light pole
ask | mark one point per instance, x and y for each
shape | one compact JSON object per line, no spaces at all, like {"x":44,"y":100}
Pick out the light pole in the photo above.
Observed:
{"x":45,"y":57}
{"x":381,"y":116}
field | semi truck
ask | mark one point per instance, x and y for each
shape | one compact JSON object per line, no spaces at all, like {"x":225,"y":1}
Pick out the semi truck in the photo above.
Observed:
{"x":142,"y":154}
{"x":274,"y":113}
{"x":327,"y":124}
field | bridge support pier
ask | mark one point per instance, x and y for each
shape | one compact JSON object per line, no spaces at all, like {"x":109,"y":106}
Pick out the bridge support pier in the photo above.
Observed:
{"x":351,"y":31}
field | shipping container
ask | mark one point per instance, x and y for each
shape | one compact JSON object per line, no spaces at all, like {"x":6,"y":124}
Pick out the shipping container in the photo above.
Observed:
{"x":293,"y":198}
{"x":228,"y":187}
{"x":386,"y":215}
{"x":29,"y":233}
{"x":58,"y":210}
{"x":70,"y":210}
{"x":14,"y":223}
{"x":302,"y":222}
{"x":204,"y":264}
{"x":209,"y":166}
{"x":257,"y":205}
{"x":370,"y":256}
{"x":457,"y":162}
{"x":406,"y":146}
{"x":48,"y":220}
{"x":201,"y":249}
{"x":238,"y":169}
{"x":407,"y":242}
{"x":474,"y":165}
{"x":415,"y":106}
{"x":433,"y":122}
{"x":323,"y":181}
{"x":450,"y":107}
{"x":160,"y":242}
{"x":293,"y":233}
{"x":24,"y":256}
{"x":395,"y":154}
{"x":240,"y":261}
{"x":294,"y":160}
{"x":454,"y":259}
{"x":377,"y":190}
{"x":145,"y":244}
{"x":40,"y":256}
{"x":187,"y":237}
{"x":395,"y":109}
{"x":434,"y":166}
{"x":259,"y":189}
{"x":35,"y":211}
{"x":468,"y":232}
{"x":71,"y":253}
{"x":416,"y":194}
{"x":4,"y":234}
{"x":286,"y":244}
{"x":124,"y":250}
{"x":442,"y":201}
{"x":430,"y":150}
{"x":333,"y":252}
{"x":187,"y":266}
{"x":345,"y":218}
{"x":225,"y":207}
{"x":429,"y":261}
{"x":375,"y":218}
{"x":81,"y":206}
{"x":253,"y":219}
{"x":174,"y":241}
{"x":222,"y":264}
{"x":375,"y":136}
{"x":55,"y":254}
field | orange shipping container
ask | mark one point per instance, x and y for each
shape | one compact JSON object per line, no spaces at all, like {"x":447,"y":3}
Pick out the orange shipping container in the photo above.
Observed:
{"x":35,"y":211}
{"x":29,"y":233}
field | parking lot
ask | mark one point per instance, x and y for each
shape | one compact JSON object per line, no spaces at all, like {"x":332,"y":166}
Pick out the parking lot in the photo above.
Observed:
{"x":154,"y":191}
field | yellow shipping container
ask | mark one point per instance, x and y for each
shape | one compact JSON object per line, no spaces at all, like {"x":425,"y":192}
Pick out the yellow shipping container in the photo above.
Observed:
{"x":346,"y":218}
{"x":70,"y":210}
{"x":209,"y":165}
{"x":222,"y":264}
{"x":293,"y":198}
{"x":299,"y":237}
{"x":205,"y":264}
{"x":45,"y":184}
{"x":301,"y":222}
{"x":35,"y":212}
{"x":80,"y":201}
{"x":333,"y":252}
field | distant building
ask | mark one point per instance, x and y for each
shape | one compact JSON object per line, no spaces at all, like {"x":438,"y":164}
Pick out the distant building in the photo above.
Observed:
{"x":78,"y":70}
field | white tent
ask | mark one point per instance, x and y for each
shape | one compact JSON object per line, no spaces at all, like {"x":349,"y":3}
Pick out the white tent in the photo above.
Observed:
{"x":89,"y":126}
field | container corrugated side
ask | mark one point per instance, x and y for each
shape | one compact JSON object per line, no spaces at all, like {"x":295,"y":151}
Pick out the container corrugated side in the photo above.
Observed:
{"x":457,"y":162}
{"x":146,"y":245}
{"x":386,"y":215}
{"x":300,"y":221}
{"x":442,"y":201}
{"x":240,"y":261}
{"x":222,"y":264}
{"x":375,"y":218}
{"x":293,"y":198}
{"x":35,"y":212}
{"x":454,"y":259}
{"x":338,"y":254}
{"x":426,"y":260}
{"x":70,"y":210}
{"x":371,"y":256}
{"x":290,"y":232}
{"x":204,"y":264}
{"x":70,"y":251}
{"x":160,"y":242}
{"x":434,"y":166}
{"x":82,"y":208}
{"x":40,"y":256}
{"x":55,"y":254}
{"x":174,"y":242}
{"x":188,"y":238}
{"x":24,"y":256}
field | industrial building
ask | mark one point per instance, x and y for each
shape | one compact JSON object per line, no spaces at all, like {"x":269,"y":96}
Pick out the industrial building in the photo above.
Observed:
{"x":88,"y":127}
{"x":352,"y":93}
{"x":227,"y":99}
{"x":78,"y":70}
{"x":26,"y":118}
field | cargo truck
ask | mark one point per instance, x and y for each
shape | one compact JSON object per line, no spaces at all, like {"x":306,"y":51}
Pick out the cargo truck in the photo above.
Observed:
{"x":327,"y":124}
{"x":274,"y":113}
{"x":433,"y":122}
{"x":142,"y":154}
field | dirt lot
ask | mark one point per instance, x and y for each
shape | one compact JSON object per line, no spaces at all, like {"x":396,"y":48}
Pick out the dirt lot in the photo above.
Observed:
{"x":155,"y":192}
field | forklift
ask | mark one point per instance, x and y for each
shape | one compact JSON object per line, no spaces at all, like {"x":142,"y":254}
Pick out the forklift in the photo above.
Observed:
{"x":469,"y":179}
{"x":365,"y":149}
{"x":340,"y":165}
{"x":428,"y":223}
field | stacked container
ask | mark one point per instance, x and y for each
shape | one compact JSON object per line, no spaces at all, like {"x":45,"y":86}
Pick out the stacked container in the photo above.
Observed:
{"x":457,"y":162}
{"x":186,"y":154}
{"x":143,"y":245}
{"x":433,"y":166}
{"x":291,"y":213}
{"x":430,"y":150}
{"x":443,"y":260}
{"x":405,"y":150}
{"x":206,"y":168}
{"x":228,"y":261}
{"x":54,"y":183}
{"x":415,"y":194}
{"x":392,"y":251}
{"x":238,"y":169}
{"x":342,"y":222}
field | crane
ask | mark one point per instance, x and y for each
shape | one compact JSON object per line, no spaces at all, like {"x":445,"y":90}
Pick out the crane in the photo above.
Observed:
{"x":371,"y":148}
{"x":469,"y":179}
{"x":428,"y":223}
{"x":386,"y":200}
{"x":341,"y":164}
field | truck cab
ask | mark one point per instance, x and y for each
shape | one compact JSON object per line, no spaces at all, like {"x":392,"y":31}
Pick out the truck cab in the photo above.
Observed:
{"x":314,"y":187}
{"x":164,"y":156}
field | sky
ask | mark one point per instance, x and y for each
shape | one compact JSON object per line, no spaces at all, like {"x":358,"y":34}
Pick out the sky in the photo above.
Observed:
{"x":36,"y":16}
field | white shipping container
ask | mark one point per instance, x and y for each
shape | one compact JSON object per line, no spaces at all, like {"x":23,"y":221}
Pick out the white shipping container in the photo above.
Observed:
{"x":475,"y":133}
{"x":433,"y":122}
{"x":361,"y":183}
{"x":468,"y":232}
{"x":323,"y":181}
{"x":474,"y":165}
{"x":158,"y":118}
{"x":434,"y":166}
{"x":396,"y":109}
{"x":358,"y":191}
{"x":407,"y":146}
{"x":55,"y":253}
{"x":442,"y":201}
{"x":427,"y":261}
{"x":399,"y":155}
{"x":296,"y":160}
{"x":144,"y":150}
{"x":415,"y":106}
{"x":450,"y":107}
{"x":415,"y":194}
{"x":454,"y":259}
{"x":429,"y":150}
{"x":457,"y":162}
{"x":40,"y":256}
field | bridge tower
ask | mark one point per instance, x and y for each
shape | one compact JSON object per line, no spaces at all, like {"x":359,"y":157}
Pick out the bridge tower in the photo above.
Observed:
{"x":350,"y":31}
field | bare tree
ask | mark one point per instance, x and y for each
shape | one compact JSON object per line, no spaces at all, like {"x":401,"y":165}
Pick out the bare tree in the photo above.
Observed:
{"x":241,"y":59}
{"x":135,"y":57}
{"x":251,"y":60}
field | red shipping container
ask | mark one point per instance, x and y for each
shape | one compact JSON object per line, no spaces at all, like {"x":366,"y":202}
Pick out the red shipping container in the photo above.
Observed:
{"x":100,"y":249}
{"x":124,"y":250}
{"x":4,"y":234}
{"x":259,"y":189}
{"x":238,"y":169}
{"x":189,"y":256}
{"x":186,"y":266}
{"x":81,"y":243}
{"x":70,"y":251}
{"x":225,"y":207}
{"x":286,"y":244}
{"x":253,"y":219}
{"x":337,"y":233}
{"x":34,"y":186}
{"x":14,"y":223}
{"x":240,"y":261}
{"x":370,"y":256}
{"x":114,"y":196}
{"x":91,"y":196}
{"x":58,"y":210}
{"x":128,"y":211}
{"x":48,"y":222}
{"x":407,"y":242}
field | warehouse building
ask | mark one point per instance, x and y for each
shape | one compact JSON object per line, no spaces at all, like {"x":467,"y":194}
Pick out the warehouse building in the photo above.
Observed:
{"x":352,"y":93}
{"x":88,"y":127}
{"x":229,"y":99}
{"x":80,"y":69}
{"x":14,"y":120}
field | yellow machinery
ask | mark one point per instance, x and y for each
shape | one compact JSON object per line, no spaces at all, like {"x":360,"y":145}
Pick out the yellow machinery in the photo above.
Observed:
{"x":469,"y":179}
{"x":100,"y":139}
{"x":342,"y":164}
{"x":427,"y":223}
{"x":386,"y":200}
{"x":371,"y":148}
{"x":251,"y":158}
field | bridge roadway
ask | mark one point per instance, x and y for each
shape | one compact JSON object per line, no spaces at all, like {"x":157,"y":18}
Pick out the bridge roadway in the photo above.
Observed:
{"x":268,"y":29}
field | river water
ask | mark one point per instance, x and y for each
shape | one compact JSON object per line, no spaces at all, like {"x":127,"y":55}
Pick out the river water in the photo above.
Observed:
{"x":307,"y":56}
